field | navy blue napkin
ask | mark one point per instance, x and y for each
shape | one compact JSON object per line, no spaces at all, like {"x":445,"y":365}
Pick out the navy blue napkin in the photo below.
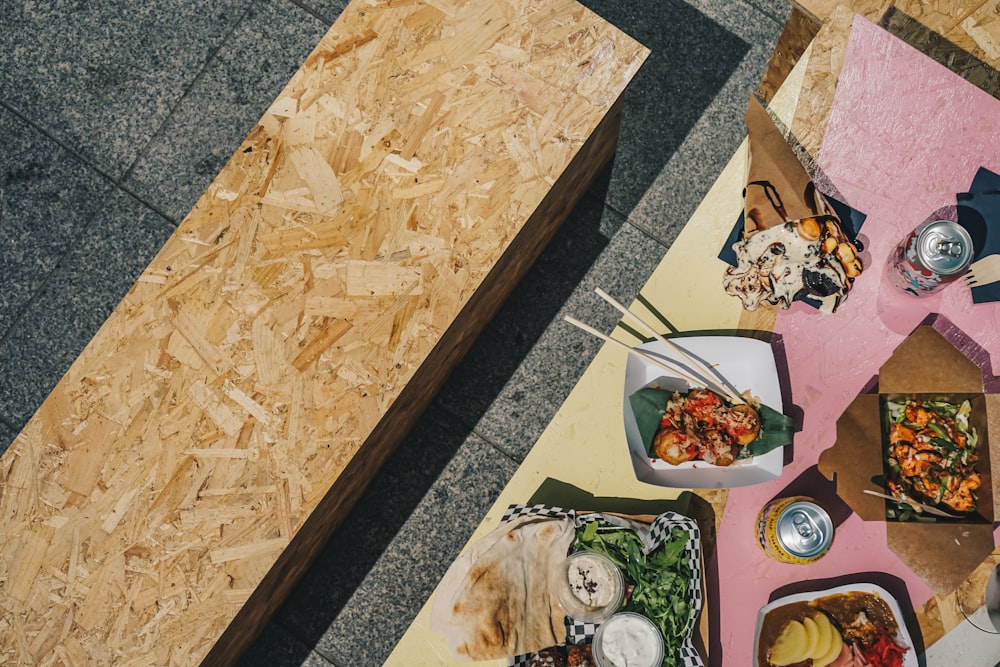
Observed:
{"x":979,"y":214}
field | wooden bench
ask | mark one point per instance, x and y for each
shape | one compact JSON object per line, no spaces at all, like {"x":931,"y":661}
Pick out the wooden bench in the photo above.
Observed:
{"x":963,"y":36}
{"x":219,"y":426}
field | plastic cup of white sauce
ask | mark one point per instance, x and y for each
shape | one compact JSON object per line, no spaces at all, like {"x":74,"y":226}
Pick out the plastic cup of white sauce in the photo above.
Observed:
{"x":591,"y":587}
{"x":628,"y":639}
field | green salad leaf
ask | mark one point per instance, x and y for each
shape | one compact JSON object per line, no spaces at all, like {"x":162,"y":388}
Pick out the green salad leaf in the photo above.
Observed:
{"x":659,"y":580}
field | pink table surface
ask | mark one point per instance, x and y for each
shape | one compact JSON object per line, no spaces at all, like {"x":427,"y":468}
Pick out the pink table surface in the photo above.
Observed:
{"x":905,"y":134}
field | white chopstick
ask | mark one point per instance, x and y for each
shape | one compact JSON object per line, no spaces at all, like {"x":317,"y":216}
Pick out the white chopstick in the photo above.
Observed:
{"x":920,"y":507}
{"x":728,"y":390}
{"x":695,"y":382}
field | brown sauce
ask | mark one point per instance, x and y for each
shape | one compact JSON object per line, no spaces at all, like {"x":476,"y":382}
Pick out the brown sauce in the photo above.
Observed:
{"x":843,"y":609}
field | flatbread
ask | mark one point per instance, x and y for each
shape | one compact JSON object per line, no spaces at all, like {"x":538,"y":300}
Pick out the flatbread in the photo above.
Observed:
{"x":498,"y":599}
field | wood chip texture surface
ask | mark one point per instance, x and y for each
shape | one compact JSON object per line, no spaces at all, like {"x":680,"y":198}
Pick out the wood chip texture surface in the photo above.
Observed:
{"x":185,"y":448}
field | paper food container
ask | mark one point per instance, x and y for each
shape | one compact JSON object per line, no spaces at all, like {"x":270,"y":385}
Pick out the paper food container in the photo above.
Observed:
{"x":748,"y":363}
{"x":654,"y":531}
{"x":941,"y":552}
{"x":902,"y":636}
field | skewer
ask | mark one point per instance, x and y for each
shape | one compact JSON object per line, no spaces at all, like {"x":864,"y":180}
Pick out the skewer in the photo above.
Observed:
{"x":730,"y":391}
{"x":695,"y":382}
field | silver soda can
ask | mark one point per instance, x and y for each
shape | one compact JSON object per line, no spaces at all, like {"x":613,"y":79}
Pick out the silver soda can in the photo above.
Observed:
{"x":794,"y":530}
{"x":933,"y":255}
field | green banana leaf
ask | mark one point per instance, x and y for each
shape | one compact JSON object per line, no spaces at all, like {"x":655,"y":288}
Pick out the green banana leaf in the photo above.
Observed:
{"x":649,"y":403}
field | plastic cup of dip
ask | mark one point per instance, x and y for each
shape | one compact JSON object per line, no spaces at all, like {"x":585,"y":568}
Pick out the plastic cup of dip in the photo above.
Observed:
{"x":591,"y":587}
{"x":628,"y":639}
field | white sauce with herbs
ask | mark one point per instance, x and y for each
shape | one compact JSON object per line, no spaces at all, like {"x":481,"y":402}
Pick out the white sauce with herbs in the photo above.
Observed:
{"x":591,"y":581}
{"x":629,"y":642}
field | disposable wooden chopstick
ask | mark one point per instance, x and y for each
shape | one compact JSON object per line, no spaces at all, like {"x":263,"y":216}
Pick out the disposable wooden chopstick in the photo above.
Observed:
{"x":920,"y":507}
{"x":728,"y":390}
{"x":695,"y":382}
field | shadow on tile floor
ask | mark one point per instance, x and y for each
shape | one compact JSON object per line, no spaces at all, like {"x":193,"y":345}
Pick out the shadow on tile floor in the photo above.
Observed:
{"x":692,"y":58}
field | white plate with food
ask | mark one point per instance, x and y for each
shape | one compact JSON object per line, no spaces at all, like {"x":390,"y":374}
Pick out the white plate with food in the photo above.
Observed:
{"x":837,"y":627}
{"x":748,"y":365}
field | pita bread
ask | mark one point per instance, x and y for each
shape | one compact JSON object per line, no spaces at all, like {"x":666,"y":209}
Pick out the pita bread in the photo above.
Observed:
{"x":497,"y":599}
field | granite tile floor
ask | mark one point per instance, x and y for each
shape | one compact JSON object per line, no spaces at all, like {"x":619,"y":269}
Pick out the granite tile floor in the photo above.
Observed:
{"x":116,"y":114}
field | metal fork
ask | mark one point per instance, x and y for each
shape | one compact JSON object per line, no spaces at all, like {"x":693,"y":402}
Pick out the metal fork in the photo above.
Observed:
{"x":983,"y":271}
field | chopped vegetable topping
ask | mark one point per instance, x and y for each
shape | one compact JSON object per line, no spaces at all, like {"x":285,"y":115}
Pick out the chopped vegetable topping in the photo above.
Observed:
{"x":931,"y":453}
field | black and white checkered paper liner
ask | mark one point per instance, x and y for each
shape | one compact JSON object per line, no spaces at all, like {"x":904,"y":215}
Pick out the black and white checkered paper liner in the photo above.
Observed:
{"x":580,"y":633}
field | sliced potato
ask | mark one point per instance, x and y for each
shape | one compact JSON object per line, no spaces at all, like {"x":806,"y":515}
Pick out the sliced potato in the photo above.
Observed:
{"x":836,"y":646}
{"x":825,"y":630}
{"x":824,"y":635}
{"x":790,"y":646}
{"x":812,"y":637}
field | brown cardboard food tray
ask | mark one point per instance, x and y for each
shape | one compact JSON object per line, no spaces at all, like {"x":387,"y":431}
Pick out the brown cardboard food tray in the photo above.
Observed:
{"x":978,"y":422}
{"x":558,"y":493}
{"x":942,"y":554}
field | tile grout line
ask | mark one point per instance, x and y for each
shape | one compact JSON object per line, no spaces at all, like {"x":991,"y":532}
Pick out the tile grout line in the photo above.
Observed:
{"x":322,"y":655}
{"x":118,"y":183}
{"x":473,"y":430}
{"x":69,"y":149}
{"x":5,"y":421}
{"x":143,"y":151}
{"x":315,"y":13}
{"x":499,"y":447}
{"x":766,"y":12}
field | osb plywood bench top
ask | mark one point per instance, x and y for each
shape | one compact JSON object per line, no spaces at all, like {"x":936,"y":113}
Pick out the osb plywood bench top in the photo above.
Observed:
{"x":213,"y":431}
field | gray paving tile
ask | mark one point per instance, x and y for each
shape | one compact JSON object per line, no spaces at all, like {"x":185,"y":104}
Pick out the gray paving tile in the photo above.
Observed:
{"x":239,"y":84}
{"x":521,"y":358}
{"x":777,"y":10}
{"x":103,"y":78}
{"x":103,"y":75}
{"x":692,"y":58}
{"x":533,"y":304}
{"x":513,"y":407}
{"x":385,"y":560}
{"x":47,"y":198}
{"x":275,"y":647}
{"x":689,"y":172}
{"x":756,"y":22}
{"x":77,"y":299}
{"x":327,"y":10}
{"x":7,"y":436}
